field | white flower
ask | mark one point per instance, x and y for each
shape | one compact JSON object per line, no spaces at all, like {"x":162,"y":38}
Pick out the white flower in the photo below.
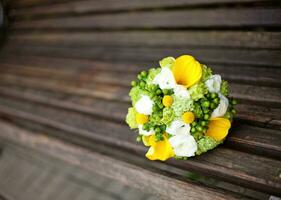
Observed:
{"x":144,"y":105}
{"x":214,"y":83}
{"x":144,"y":132}
{"x":181,"y":91}
{"x":165,"y":79}
{"x":178,"y":127}
{"x":183,"y":145}
{"x":222,"y":107}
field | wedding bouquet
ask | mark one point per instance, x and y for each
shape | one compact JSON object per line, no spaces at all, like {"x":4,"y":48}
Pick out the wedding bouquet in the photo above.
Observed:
{"x":180,"y":109}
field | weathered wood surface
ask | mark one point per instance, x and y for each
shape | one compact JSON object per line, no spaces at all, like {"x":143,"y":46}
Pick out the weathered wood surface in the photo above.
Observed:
{"x":131,"y":175}
{"x":65,"y":71}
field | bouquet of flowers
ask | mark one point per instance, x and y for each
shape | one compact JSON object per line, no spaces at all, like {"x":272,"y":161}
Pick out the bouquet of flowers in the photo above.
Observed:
{"x":180,"y":109}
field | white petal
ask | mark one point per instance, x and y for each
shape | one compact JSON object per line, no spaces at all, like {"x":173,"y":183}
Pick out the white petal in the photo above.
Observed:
{"x":183,"y":145}
{"x":214,"y":83}
{"x":178,"y":127}
{"x":165,"y":79}
{"x":222,"y":107}
{"x":181,"y":91}
{"x":144,"y":105}
{"x":144,"y":132}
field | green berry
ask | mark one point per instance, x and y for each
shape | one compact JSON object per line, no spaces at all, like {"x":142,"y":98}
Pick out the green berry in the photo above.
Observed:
{"x":214,"y":95}
{"x":139,"y":77}
{"x":158,"y":91}
{"x":142,"y":84}
{"x":233,"y":111}
{"x":139,"y":138}
{"x":199,"y":128}
{"x":143,"y":73}
{"x":193,"y":130}
{"x":206,"y":104}
{"x":213,"y":105}
{"x":216,"y":100}
{"x":206,"y":116}
{"x":158,"y":130}
{"x":165,"y":91}
{"x":193,"y":124}
{"x":203,"y":123}
{"x":133,"y":83}
{"x":234,"y":102}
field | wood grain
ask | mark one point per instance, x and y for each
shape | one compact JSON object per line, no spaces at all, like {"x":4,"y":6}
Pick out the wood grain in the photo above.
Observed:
{"x":262,"y":173}
{"x":244,"y":17}
{"x":135,"y":176}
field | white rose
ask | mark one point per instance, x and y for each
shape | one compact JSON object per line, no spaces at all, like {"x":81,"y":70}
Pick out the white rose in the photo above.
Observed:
{"x":144,"y":105}
{"x":178,"y":127}
{"x":183,"y":145}
{"x":222,"y":107}
{"x":181,"y":91}
{"x":214,"y":83}
{"x":165,"y":79}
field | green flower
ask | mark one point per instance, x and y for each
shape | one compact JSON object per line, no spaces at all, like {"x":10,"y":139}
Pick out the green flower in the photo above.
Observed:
{"x":168,"y":116}
{"x":167,"y":62}
{"x":135,"y":94}
{"x":131,"y":118}
{"x":198,"y":91}
{"x":151,"y":74}
{"x":181,"y":105}
{"x":205,"y":144}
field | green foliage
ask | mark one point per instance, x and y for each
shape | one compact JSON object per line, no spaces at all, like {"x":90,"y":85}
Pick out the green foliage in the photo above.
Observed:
{"x":198,"y":91}
{"x":205,"y":144}
{"x":168,"y":116}
{"x":206,"y":72}
{"x":224,"y":88}
{"x":131,"y":118}
{"x":181,"y":105}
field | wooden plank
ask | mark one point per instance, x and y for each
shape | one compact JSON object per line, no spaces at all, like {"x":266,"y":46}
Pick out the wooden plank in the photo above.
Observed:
{"x":225,"y":39}
{"x":250,"y":113}
{"x":135,"y":176}
{"x":247,"y":93}
{"x":248,"y":170}
{"x":110,"y":73}
{"x":216,"y":18}
{"x":258,"y":140}
{"x":61,"y":6}
{"x":146,"y":54}
{"x":89,"y":179}
{"x":73,"y":68}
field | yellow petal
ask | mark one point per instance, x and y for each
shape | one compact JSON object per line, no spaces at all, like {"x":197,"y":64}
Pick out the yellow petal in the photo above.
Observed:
{"x":141,"y":118}
{"x":187,"y":71}
{"x":167,"y":100}
{"x":161,"y":150}
{"x":145,"y":140}
{"x":218,"y":128}
{"x":188,"y":117}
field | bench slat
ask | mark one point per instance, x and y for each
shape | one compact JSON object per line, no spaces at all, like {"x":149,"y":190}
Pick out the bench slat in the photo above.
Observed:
{"x":224,"y":39}
{"x":264,"y":115}
{"x":43,"y":67}
{"x":260,"y":173}
{"x":135,"y":176}
{"x":251,"y":138}
{"x":146,"y":54}
{"x":61,"y":6}
{"x":244,"y":17}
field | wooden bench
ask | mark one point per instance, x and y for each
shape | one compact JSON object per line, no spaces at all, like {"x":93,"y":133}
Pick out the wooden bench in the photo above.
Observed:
{"x":65,"y":71}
